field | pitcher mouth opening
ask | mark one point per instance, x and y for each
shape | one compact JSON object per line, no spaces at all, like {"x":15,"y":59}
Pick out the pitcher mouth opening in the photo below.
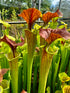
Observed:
{"x":52,"y":50}
{"x":12,"y":58}
{"x":6,"y":83}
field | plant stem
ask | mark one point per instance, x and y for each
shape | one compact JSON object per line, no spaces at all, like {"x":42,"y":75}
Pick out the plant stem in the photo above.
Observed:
{"x":55,"y":64}
{"x":29,"y":74}
{"x":31,"y":43}
{"x":24,"y":69}
{"x":44,"y":70}
{"x":19,"y":77}
{"x":37,"y":60}
{"x":64,"y":59}
{"x":13,"y":62}
{"x":14,"y":75}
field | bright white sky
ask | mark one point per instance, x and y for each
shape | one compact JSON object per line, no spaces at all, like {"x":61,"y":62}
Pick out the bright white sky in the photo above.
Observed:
{"x":54,"y":2}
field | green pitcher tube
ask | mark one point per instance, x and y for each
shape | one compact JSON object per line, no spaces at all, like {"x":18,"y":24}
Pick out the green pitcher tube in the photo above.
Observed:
{"x":31,"y":44}
{"x":13,"y":62}
{"x":45,"y":65}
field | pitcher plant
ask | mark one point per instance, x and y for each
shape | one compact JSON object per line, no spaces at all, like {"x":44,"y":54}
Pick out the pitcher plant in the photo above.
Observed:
{"x":49,"y":35}
{"x":30,"y":15}
{"x":13,"y":57}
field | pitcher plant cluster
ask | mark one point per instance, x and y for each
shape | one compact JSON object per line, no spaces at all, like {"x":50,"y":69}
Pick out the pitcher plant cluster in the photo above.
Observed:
{"x":32,"y":57}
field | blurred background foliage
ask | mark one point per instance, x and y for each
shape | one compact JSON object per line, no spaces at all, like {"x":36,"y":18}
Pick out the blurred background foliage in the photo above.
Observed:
{"x":42,"y":5}
{"x":24,"y":4}
{"x":9,"y":10}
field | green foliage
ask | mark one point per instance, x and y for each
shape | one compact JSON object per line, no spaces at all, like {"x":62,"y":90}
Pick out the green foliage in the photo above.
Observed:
{"x":64,"y":77}
{"x":4,"y":48}
{"x":4,"y":14}
{"x":50,"y":60}
{"x":13,"y":15}
{"x":58,"y":91}
{"x":45,"y":5}
{"x":63,"y":25}
{"x":53,"y":25}
{"x":48,"y":89}
{"x":5,"y":24}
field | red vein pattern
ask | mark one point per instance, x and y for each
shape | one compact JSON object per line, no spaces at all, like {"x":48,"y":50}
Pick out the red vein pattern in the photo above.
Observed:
{"x":30,"y":16}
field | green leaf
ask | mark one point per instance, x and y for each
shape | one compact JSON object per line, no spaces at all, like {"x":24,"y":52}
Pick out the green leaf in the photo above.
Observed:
{"x":55,"y":19}
{"x":64,"y":77}
{"x":4,"y":48}
{"x":53,"y":25}
{"x":10,"y":37}
{"x":58,"y":91}
{"x":62,"y":26}
{"x":5,"y":23}
{"x":48,"y":89}
{"x":36,"y":26}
